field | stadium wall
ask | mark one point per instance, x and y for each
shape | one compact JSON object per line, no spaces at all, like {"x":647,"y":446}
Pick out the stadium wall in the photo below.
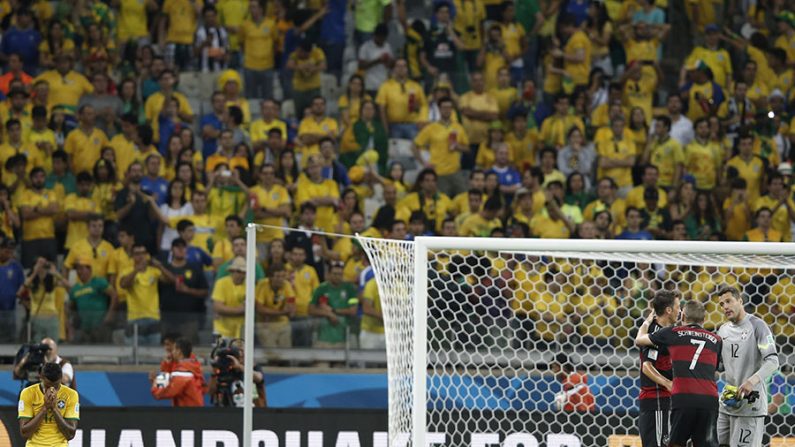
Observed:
{"x":196,"y":427}
{"x":612,"y":393}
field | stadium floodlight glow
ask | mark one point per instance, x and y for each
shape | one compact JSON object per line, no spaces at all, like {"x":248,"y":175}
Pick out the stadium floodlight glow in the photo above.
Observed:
{"x":473,"y":326}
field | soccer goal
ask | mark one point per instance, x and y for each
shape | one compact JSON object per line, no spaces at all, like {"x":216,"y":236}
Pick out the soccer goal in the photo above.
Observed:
{"x":482,"y":333}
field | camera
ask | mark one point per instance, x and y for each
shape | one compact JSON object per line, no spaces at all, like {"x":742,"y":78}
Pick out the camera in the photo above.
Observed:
{"x":229,"y":382}
{"x":37,"y":356}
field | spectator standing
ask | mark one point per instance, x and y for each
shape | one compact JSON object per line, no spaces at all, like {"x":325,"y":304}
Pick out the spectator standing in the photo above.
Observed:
{"x":23,"y":39}
{"x":14,"y":276}
{"x":271,"y":205}
{"x":42,"y":288}
{"x":16,"y":71}
{"x":478,"y":109}
{"x":80,"y":208}
{"x":177,"y":29}
{"x":182,"y":306}
{"x":174,"y":206}
{"x":85,"y":143}
{"x":703,"y":157}
{"x":446,"y":141}
{"x":152,"y":184}
{"x":336,"y":302}
{"x":577,"y":156}
{"x":782,"y":206}
{"x":93,"y":247}
{"x":508,"y":177}
{"x":212,"y":42}
{"x":123,"y":143}
{"x":665,"y":153}
{"x":231,"y":14}
{"x":66,"y":85}
{"x":649,"y":180}
{"x":749,"y":166}
{"x":426,"y":198}
{"x":333,"y":36}
{"x":304,"y":279}
{"x":324,"y":194}
{"x":402,"y":103}
{"x":469,"y":16}
{"x":133,"y":208}
{"x":633,"y":231}
{"x":212,"y":123}
{"x":441,"y":46}
{"x":555,"y":128}
{"x":276,"y":304}
{"x":185,"y":382}
{"x":258,"y":35}
{"x":307,"y":62}
{"x":369,"y":13}
{"x":38,"y":208}
{"x":156,"y":102}
{"x":260,"y":129}
{"x":229,"y":296}
{"x":763,"y":232}
{"x":92,"y":305}
{"x":108,"y":107}
{"x":716,"y":58}
{"x":374,"y":58}
{"x":143,"y":297}
{"x":313,"y":128}
{"x":239,"y":251}
{"x":616,"y":158}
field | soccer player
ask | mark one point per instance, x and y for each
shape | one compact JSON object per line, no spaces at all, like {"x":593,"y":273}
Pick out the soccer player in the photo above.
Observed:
{"x":749,"y":360}
{"x":695,"y":353}
{"x":656,"y":380}
{"x":48,"y":411}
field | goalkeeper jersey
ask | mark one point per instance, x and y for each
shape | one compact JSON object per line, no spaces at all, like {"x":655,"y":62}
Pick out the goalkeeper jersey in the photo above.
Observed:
{"x":748,"y":348}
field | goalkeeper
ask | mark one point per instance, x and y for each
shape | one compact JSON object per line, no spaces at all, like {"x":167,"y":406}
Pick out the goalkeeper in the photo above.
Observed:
{"x":749,"y":360}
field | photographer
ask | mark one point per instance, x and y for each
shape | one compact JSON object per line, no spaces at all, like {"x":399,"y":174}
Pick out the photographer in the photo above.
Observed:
{"x":38,"y":296}
{"x":31,"y":357}
{"x":184,"y":384}
{"x":226,"y":383}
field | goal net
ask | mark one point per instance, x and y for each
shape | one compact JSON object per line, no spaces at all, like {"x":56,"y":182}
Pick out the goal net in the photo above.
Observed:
{"x":482,"y":334}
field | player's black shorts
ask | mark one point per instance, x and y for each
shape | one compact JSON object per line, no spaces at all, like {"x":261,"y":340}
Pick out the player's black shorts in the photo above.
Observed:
{"x":653,"y":427}
{"x":696,"y":424}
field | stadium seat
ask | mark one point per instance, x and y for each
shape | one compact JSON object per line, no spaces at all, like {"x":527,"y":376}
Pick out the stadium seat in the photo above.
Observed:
{"x":253,"y":106}
{"x":207,"y":85}
{"x":189,"y":84}
{"x":400,"y":148}
{"x":623,"y":441}
{"x":288,"y":109}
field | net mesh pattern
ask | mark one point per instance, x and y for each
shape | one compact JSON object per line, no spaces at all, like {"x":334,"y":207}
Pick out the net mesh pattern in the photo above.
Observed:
{"x":500,"y":324}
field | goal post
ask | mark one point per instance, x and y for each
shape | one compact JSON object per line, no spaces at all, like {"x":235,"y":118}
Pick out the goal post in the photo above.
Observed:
{"x":480,"y":331}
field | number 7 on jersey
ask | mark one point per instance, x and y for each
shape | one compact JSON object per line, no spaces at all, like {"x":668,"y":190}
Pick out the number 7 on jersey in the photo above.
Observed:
{"x":700,"y":344}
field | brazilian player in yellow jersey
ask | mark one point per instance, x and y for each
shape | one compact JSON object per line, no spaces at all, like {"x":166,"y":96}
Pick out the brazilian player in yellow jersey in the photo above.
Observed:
{"x":48,"y":412}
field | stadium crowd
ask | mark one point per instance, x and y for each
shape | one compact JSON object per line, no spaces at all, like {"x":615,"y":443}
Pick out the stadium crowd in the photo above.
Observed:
{"x":139,"y":137}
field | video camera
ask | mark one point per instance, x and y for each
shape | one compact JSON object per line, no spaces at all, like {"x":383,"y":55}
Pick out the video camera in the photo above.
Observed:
{"x":36,"y":357}
{"x":229,"y":381}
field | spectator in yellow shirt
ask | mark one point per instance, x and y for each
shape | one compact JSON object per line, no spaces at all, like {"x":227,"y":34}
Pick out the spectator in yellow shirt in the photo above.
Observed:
{"x":143,"y":298}
{"x":748,"y":166}
{"x":304,"y":280}
{"x":402,"y":103}
{"x":446,"y":141}
{"x":482,"y":223}
{"x":38,"y":209}
{"x":80,"y":208}
{"x":307,"y":63}
{"x":177,"y":30}
{"x":703,"y":157}
{"x":576,"y":54}
{"x":322,"y":193}
{"x":66,"y":85}
{"x":84,"y":143}
{"x":229,"y":297}
{"x":258,"y":35}
{"x":763,"y":231}
{"x":314,"y":127}
{"x":716,"y":58}
{"x":617,"y":157}
{"x":555,"y":128}
{"x":275,"y":305}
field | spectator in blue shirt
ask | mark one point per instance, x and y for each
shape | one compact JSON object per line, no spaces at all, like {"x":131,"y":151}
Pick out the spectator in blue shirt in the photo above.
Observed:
{"x":633,"y":231}
{"x":12,"y":276}
{"x":152,"y":183}
{"x":332,"y":36}
{"x":509,"y":178}
{"x":23,"y":39}
{"x":211,"y":125}
{"x":196,"y":255}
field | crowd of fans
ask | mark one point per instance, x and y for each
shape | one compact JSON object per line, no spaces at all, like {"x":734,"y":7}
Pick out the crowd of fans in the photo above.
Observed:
{"x":125,"y":198}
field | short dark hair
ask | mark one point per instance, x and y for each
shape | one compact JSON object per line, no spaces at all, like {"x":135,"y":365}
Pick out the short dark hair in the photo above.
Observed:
{"x":185,"y":346}
{"x":36,"y":170}
{"x":663,"y":300}
{"x":276,"y":267}
{"x":493,"y":203}
{"x":418,"y":216}
{"x":233,"y":218}
{"x":178,"y":242}
{"x":666,"y":120}
{"x":236,"y":114}
{"x":52,"y":372}
{"x":183,"y":225}
{"x":84,"y":177}
{"x":735,"y":292}
{"x":12,"y":122}
{"x":306,"y":206}
{"x":60,"y":154}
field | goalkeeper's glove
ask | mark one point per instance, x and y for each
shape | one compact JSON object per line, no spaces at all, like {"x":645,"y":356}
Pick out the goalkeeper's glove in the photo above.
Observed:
{"x":730,"y":398}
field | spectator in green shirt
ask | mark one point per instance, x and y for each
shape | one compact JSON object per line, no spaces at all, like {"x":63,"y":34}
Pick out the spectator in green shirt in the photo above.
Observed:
{"x":239,"y":250}
{"x":92,"y":302}
{"x":60,"y":174}
{"x":336,"y":302}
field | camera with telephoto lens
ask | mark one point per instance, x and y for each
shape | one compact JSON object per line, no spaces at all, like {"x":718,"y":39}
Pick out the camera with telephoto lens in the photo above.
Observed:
{"x":229,"y":381}
{"x":36,"y":357}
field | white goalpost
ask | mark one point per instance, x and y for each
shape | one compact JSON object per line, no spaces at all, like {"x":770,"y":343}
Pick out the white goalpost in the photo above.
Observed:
{"x":481,"y":332}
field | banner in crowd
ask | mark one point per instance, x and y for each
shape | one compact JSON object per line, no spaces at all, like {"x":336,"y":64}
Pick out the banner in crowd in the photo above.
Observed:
{"x":197,"y":427}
